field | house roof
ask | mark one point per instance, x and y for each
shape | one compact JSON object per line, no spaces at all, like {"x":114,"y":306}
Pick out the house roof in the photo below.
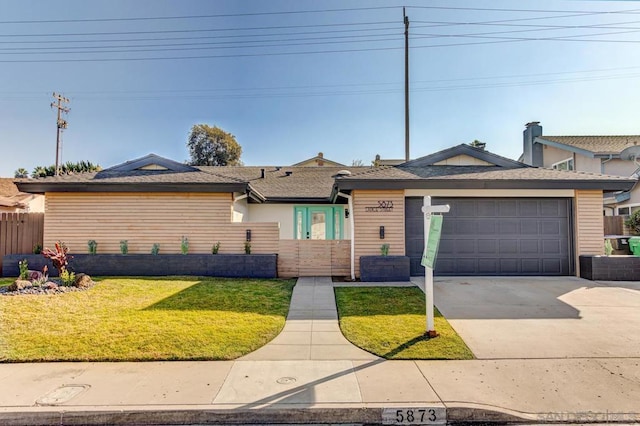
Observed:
{"x":463,"y":149}
{"x":320,"y":184}
{"x":598,"y":145}
{"x":318,"y":161}
{"x":8,"y":188}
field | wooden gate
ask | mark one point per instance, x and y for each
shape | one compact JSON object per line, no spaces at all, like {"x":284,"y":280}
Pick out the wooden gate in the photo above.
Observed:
{"x":20,"y":232}
{"x":314,"y":258}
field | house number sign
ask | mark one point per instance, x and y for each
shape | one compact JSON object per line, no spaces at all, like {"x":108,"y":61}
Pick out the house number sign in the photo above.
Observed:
{"x":383,"y":206}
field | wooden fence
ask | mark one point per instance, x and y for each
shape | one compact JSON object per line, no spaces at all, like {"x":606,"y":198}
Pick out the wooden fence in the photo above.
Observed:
{"x":20,"y":232}
{"x":309,"y":258}
{"x":614,"y":225}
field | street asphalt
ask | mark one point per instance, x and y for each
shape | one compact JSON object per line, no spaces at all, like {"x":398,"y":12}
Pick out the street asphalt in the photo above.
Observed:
{"x":549,"y":350}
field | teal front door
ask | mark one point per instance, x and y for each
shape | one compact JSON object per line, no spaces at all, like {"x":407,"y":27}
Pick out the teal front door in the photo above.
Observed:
{"x":318,"y":223}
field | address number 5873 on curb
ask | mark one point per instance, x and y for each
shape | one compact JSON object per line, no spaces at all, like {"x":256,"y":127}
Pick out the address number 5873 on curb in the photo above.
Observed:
{"x":414,"y":416}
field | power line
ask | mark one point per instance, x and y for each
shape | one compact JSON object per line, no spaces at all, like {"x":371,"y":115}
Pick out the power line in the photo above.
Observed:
{"x":198,"y":30}
{"x":225,"y":15}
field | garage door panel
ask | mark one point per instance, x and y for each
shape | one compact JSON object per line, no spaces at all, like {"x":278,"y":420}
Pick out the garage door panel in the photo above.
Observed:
{"x":508,"y":226}
{"x":496,"y":236}
{"x":529,"y":227}
{"x":529,"y":246}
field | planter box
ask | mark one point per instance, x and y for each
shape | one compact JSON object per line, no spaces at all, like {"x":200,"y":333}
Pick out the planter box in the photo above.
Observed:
{"x":218,"y":265}
{"x":384,"y":268}
{"x":610,"y":268}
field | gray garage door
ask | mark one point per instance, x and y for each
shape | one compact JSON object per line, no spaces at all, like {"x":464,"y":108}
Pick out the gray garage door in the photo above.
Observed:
{"x":496,"y":236}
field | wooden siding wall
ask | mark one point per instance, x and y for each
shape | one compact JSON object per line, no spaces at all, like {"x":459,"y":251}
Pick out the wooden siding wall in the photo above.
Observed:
{"x":20,"y":232}
{"x":589,"y":226}
{"x":310,"y":258}
{"x":368,"y":221}
{"x":147,"y":218}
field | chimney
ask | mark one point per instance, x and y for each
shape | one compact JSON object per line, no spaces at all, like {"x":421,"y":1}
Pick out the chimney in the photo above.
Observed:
{"x":319,"y":161}
{"x":532,"y":151}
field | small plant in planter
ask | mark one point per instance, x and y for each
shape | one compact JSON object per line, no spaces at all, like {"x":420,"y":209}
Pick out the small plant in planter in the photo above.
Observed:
{"x":24,"y":269}
{"x":184,"y":245}
{"x":37,"y":249}
{"x":247,"y":247}
{"x":384,"y":249}
{"x":43,"y":278}
{"x":124,"y":246}
{"x":216,"y":248}
{"x":155,"y":249}
{"x":93,"y":246}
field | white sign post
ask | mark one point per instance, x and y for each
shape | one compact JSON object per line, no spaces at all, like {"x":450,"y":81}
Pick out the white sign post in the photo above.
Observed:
{"x":428,"y":210}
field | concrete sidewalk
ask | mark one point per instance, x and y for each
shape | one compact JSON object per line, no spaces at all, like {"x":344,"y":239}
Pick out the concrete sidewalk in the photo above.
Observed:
{"x":318,"y":384}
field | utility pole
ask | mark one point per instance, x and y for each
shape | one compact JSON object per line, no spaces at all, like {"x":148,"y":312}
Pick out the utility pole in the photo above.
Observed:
{"x":406,"y":85}
{"x":62,"y":124}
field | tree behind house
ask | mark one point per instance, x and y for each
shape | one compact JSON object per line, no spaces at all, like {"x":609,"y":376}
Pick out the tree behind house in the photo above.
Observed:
{"x":67,"y":168}
{"x":212,"y":146}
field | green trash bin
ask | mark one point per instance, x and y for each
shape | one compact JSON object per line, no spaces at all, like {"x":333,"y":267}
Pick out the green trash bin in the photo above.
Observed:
{"x":634,"y":245}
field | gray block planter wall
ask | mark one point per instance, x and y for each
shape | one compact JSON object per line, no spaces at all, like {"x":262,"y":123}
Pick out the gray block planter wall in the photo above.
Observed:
{"x":384,"y":268}
{"x":219,"y":265}
{"x":610,"y":268}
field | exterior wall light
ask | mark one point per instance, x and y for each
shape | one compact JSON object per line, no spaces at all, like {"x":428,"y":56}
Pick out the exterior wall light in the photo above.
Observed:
{"x":248,"y":234}
{"x":382,"y":232}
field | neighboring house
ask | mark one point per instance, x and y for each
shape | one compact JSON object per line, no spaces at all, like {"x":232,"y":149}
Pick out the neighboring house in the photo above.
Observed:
{"x":594,"y":154}
{"x":318,"y":161}
{"x":506,"y":218}
{"x":14,"y":201}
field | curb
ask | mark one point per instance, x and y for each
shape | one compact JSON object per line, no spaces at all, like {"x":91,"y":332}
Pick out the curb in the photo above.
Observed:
{"x":458,"y":415}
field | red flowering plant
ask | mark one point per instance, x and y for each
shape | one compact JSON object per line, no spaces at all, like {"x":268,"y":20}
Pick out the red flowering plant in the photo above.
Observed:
{"x":59,"y":256}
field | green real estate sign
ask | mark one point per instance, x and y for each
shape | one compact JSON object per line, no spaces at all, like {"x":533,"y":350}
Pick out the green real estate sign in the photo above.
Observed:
{"x":433,"y":240}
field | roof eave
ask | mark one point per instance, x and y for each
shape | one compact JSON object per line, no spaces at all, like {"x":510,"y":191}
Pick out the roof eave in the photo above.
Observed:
{"x":605,"y":185}
{"x":42,"y":187}
{"x":571,"y":148}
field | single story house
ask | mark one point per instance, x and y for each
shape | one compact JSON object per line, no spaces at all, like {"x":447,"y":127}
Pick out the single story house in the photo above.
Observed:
{"x":617,"y":155}
{"x":506,"y":218}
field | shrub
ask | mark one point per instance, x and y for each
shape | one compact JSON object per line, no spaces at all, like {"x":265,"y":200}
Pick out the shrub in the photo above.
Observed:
{"x":633,"y":222}
{"x":184,"y":245}
{"x":59,"y":257}
{"x":124,"y":246}
{"x":42,"y":279}
{"x":24,"y":269}
{"x":247,"y":247}
{"x":384,"y":249}
{"x":155,"y":249}
{"x":215,"y":248}
{"x":37,"y":249}
{"x":93,"y":246}
{"x":608,"y":248}
{"x":67,"y":278}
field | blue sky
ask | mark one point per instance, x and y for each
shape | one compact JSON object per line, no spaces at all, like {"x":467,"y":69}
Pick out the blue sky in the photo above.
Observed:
{"x":258,"y":72}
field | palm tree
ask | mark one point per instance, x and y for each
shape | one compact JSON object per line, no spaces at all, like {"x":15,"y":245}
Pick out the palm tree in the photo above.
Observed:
{"x":21,"y":173}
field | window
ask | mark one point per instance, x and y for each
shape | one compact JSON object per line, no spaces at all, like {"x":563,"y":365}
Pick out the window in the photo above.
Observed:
{"x":623,"y":211}
{"x":318,"y":223}
{"x":564,"y":165}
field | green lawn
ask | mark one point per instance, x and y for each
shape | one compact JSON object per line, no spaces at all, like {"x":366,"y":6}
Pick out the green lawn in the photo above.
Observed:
{"x":390,"y":322}
{"x":6,"y":281}
{"x":131,"y":319}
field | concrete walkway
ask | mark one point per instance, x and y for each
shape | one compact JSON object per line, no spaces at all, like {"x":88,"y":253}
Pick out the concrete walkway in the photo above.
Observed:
{"x":311,"y":374}
{"x":311,"y":331}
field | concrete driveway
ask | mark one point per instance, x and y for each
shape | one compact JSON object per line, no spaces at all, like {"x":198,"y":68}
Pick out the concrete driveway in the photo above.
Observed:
{"x":540,"y":317}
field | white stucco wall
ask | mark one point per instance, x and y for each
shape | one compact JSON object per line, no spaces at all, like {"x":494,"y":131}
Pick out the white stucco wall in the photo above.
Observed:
{"x":240,"y":211}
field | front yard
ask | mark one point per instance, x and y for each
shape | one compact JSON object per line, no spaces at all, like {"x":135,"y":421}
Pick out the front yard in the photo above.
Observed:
{"x":390,"y":322}
{"x":144,"y":319}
